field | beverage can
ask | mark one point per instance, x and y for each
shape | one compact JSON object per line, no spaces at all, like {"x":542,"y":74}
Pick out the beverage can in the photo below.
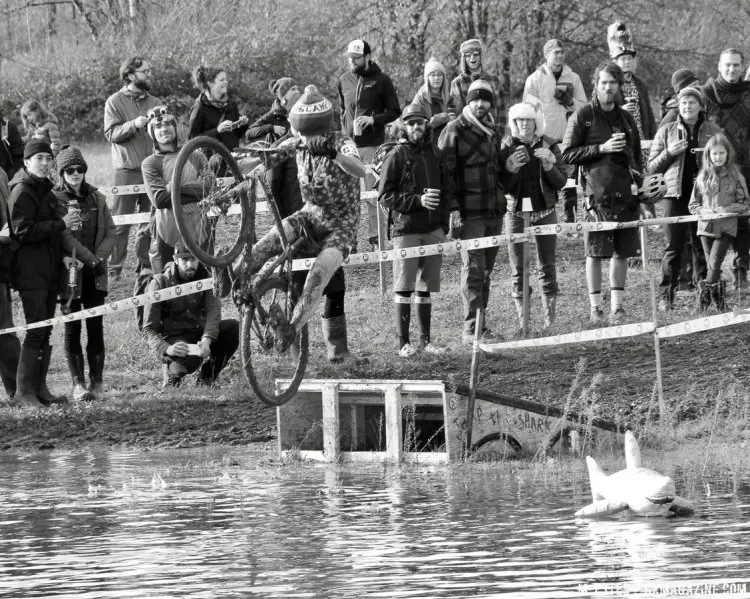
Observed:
{"x":73,"y":205}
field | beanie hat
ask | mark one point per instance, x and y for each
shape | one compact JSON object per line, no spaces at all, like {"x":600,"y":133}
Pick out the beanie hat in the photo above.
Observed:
{"x":471,"y":45}
{"x":619,"y":40}
{"x":70,"y":156}
{"x":552,"y":44}
{"x":433,"y":65}
{"x":280,"y":86}
{"x":691,"y":91}
{"x":682,"y":78}
{"x":312,"y":114}
{"x":159,"y":114}
{"x":482,"y":90}
{"x":525,"y":110}
{"x":36,"y":146}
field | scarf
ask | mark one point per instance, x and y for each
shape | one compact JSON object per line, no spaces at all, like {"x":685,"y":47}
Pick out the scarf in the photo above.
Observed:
{"x":488,"y":128}
{"x":220,"y":104}
{"x":725,"y":94}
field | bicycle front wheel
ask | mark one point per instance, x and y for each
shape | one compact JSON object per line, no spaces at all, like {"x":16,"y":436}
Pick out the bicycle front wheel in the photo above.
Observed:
{"x":263,"y":364}
{"x":213,"y":215}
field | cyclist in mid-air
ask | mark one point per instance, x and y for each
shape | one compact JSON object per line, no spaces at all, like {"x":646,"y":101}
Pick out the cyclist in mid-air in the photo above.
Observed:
{"x":328,"y":169}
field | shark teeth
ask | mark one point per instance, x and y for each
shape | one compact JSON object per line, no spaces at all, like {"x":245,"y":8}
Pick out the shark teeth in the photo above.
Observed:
{"x":661,"y":499}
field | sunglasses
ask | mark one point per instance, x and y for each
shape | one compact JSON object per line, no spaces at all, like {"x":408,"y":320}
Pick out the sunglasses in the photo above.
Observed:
{"x":472,"y":54}
{"x":415,"y":122}
{"x":75,"y":170}
{"x":145,"y":71}
{"x":156,"y":113}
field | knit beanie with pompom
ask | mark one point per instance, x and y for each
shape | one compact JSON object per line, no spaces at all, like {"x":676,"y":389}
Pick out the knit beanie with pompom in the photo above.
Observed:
{"x":312,"y":114}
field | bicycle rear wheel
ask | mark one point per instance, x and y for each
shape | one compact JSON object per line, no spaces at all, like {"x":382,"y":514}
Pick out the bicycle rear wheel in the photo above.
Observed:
{"x":213,"y":218}
{"x":262,"y":362}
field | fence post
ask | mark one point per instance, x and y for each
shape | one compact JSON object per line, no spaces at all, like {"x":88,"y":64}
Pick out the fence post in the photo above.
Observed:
{"x":526,"y":210}
{"x":478,"y":326}
{"x":657,"y":355}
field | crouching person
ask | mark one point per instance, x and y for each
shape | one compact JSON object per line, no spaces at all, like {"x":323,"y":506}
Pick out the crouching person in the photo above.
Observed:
{"x":410,"y":187}
{"x":187,"y":332}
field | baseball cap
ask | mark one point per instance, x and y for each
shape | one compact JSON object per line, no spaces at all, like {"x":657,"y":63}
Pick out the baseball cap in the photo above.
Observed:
{"x":357,"y":48}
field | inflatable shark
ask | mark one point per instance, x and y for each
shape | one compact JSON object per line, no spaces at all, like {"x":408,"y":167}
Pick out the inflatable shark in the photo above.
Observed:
{"x":642,"y":490}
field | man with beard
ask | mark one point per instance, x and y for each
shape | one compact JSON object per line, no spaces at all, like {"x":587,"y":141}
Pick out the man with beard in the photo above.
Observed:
{"x":188,"y":331}
{"x":411,"y":187}
{"x":125,"y":128}
{"x":368,"y":102}
{"x":727,"y":104}
{"x":603,"y":140}
{"x":471,"y":158}
{"x":472,"y":69}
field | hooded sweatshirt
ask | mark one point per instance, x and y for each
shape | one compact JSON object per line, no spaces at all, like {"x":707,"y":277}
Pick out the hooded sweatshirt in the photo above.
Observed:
{"x":371,"y":94}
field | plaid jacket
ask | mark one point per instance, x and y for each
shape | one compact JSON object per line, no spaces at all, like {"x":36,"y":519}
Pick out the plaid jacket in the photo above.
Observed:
{"x":472,"y":170}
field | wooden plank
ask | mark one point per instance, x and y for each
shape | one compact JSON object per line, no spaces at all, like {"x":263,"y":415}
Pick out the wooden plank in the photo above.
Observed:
{"x":378,"y":401}
{"x":359,"y":457}
{"x":393,"y":431}
{"x":407,"y":385}
{"x":331,"y":433}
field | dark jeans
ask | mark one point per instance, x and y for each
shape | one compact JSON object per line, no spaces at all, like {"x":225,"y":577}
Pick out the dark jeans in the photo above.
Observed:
{"x":10,"y":346}
{"x":678,"y":236}
{"x":546,"y":249}
{"x":91,"y":297}
{"x":715,"y":249}
{"x":160,"y":253}
{"x":569,"y":197}
{"x":222,"y":349}
{"x":477,"y":268}
{"x":741,"y":245}
{"x":38,"y":304}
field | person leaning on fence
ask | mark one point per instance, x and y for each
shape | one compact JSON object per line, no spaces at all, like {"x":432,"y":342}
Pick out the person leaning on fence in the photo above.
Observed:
{"x":674,"y":153}
{"x":720,"y":187}
{"x":533,"y":171}
{"x":10,"y":346}
{"x":215,"y":113}
{"x":187,"y":332}
{"x":35,"y":270}
{"x":603,"y":140}
{"x":11,"y":147}
{"x":40,"y":123}
{"x":411,"y":185}
{"x":125,"y":128}
{"x":727,"y":104}
{"x":274,"y":124}
{"x":92,"y":242}
{"x":473,"y":167}
{"x":157,"y":169}
{"x":434,"y":97}
{"x":560,"y":92}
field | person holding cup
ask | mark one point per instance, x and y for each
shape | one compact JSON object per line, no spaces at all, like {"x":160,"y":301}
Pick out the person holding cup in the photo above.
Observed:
{"x":410,"y":188}
{"x":533,"y":170}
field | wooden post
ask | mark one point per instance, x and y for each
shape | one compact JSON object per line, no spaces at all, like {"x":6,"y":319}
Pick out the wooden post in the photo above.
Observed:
{"x":644,"y":247}
{"x":479,"y":325}
{"x":526,"y":209}
{"x":331,"y":436}
{"x":393,"y":432}
{"x":657,"y":354}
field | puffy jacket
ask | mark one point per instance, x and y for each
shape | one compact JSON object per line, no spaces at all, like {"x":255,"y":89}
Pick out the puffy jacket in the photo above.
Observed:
{"x":373,"y":95}
{"x":731,"y":197}
{"x":197,"y":312}
{"x":407,"y":171}
{"x":460,"y":87}
{"x":644,"y":103}
{"x":661,"y":161}
{"x":38,"y":228}
{"x":105,"y":231}
{"x":205,"y":117}
{"x":130,"y":145}
{"x":11,"y":147}
{"x":549,"y":181}
{"x":472,"y":170}
{"x":541,"y":86}
{"x":263,"y":127}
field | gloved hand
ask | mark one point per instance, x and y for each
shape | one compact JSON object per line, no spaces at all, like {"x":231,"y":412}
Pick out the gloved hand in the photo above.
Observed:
{"x":322,"y":146}
{"x":564,"y":96}
{"x":100,"y":268}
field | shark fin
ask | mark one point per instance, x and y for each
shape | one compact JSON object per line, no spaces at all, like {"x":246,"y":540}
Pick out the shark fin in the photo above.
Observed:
{"x":602,"y":507}
{"x":596,"y":477}
{"x":632,"y":451}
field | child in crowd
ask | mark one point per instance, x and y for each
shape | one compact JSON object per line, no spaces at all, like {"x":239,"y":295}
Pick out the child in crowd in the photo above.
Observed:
{"x":41,"y":124}
{"x":93,"y":242}
{"x":719,"y":188}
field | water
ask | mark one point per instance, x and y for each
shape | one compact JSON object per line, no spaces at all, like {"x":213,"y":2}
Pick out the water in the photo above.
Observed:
{"x":229,"y":523}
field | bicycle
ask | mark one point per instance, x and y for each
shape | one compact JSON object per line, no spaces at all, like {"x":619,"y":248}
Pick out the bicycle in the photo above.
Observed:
{"x":218,"y":240}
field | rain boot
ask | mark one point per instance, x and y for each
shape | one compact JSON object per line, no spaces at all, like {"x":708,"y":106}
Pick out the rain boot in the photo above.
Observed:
{"x":76,"y":367}
{"x":96,"y":374}
{"x":719,"y":295}
{"x":704,"y":296}
{"x":335,"y":336}
{"x":29,"y":364}
{"x":10,"y":349}
{"x":42,"y":391}
{"x":549,"y":303}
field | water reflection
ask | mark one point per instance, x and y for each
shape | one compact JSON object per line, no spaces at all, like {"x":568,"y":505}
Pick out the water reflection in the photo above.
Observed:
{"x":223,"y":523}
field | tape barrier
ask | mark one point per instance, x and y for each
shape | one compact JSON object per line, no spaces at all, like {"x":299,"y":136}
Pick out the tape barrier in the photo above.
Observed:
{"x":616,"y":332}
{"x":611,"y":225}
{"x":706,"y":323}
{"x":120,"y":306}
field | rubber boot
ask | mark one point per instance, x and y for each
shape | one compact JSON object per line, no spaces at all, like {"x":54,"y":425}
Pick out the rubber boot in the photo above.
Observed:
{"x":335,"y":336}
{"x":704,"y":296}
{"x":10,"y":349}
{"x":42,"y":391}
{"x":549,"y":303}
{"x":76,"y":367}
{"x":29,"y":364}
{"x":719,"y":295}
{"x":96,"y":374}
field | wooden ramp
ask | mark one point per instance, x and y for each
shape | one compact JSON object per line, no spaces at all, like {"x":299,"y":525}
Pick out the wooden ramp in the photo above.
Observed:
{"x":416,"y":421}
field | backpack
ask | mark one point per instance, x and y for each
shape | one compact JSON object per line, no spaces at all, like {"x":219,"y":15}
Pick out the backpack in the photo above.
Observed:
{"x":378,"y":160}
{"x":141,"y":286}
